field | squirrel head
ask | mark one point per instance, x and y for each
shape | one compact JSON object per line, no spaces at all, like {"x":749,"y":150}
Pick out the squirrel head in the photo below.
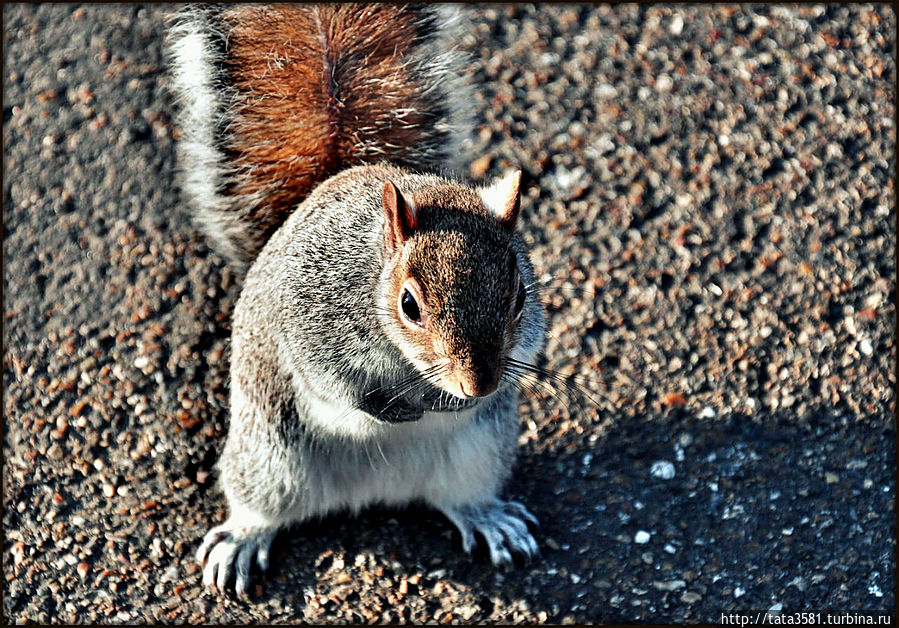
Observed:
{"x":454,"y":290}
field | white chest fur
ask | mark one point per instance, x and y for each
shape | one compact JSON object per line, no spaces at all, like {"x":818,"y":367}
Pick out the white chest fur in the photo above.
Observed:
{"x":445,"y":457}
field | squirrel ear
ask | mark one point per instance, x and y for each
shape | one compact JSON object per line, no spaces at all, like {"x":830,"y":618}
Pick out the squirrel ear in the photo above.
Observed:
{"x":503,"y":199}
{"x":399,"y":214}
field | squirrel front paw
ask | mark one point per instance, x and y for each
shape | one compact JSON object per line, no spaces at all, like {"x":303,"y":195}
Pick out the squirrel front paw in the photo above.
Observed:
{"x":232,"y":547}
{"x":502,"y":524}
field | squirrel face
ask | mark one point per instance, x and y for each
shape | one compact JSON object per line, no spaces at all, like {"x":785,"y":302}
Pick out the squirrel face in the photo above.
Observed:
{"x":455,"y":290}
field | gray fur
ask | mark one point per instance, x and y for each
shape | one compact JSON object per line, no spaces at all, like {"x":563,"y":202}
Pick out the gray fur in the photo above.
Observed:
{"x":307,"y":340}
{"x":318,"y":423}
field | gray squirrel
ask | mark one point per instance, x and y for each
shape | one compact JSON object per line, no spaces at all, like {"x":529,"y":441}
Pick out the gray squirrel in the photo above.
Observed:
{"x":386,"y":314}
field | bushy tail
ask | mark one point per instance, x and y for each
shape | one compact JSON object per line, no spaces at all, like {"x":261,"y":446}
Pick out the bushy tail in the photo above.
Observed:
{"x":276,"y":99}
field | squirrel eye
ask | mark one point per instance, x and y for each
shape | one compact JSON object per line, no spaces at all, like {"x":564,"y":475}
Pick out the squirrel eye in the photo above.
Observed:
{"x":410,"y":307}
{"x":519,"y":299}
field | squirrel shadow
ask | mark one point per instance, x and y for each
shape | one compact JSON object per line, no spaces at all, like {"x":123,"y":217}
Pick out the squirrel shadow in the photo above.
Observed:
{"x":740,"y":482}
{"x":717,"y":526}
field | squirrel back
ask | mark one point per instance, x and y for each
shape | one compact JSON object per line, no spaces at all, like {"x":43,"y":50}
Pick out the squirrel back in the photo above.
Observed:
{"x":276,"y":99}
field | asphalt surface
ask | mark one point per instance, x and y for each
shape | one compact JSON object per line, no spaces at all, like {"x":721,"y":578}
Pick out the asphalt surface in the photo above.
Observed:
{"x":711,"y":203}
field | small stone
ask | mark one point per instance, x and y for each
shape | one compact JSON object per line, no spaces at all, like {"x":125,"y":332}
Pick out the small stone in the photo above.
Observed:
{"x":662,"y":469}
{"x":673,"y":399}
{"x":83,"y":570}
{"x":798,"y":582}
{"x":480,"y":166}
{"x":669,"y":585}
{"x":831,"y":478}
{"x":187,"y":420}
{"x":77,"y":408}
{"x":170,"y":574}
{"x":18,"y":552}
{"x":865,"y":347}
{"x":55,"y":452}
{"x":707,"y":413}
{"x":677,"y":25}
{"x":108,"y":490}
{"x":642,"y":537}
{"x":690,"y":597}
{"x":664,"y":83}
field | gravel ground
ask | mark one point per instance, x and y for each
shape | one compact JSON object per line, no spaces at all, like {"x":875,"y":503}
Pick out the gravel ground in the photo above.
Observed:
{"x":711,"y":203}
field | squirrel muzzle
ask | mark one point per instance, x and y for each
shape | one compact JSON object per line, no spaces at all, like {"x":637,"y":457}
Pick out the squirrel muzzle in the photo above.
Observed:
{"x":475,"y":378}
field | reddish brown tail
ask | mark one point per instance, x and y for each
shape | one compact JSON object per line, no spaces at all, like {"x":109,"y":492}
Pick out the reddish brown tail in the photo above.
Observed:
{"x":285,"y":96}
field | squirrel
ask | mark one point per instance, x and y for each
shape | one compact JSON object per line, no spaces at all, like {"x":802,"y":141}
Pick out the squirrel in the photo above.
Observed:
{"x":386,"y":313}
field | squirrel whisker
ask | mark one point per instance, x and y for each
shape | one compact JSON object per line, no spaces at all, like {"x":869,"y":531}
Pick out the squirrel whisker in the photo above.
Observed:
{"x":571,"y":382}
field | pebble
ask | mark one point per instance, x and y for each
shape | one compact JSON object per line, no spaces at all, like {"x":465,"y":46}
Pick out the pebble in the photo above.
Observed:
{"x":664,"y":84}
{"x":55,"y":452}
{"x":662,"y":469}
{"x":170,"y":574}
{"x":669,"y":585}
{"x":642,"y":537}
{"x":707,"y":412}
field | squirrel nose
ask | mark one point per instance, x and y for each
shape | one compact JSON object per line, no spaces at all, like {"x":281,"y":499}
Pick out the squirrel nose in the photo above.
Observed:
{"x":478,"y":382}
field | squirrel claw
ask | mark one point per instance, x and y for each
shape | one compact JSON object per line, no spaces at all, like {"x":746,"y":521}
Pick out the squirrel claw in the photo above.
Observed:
{"x":503,"y":525}
{"x":230,"y":549}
